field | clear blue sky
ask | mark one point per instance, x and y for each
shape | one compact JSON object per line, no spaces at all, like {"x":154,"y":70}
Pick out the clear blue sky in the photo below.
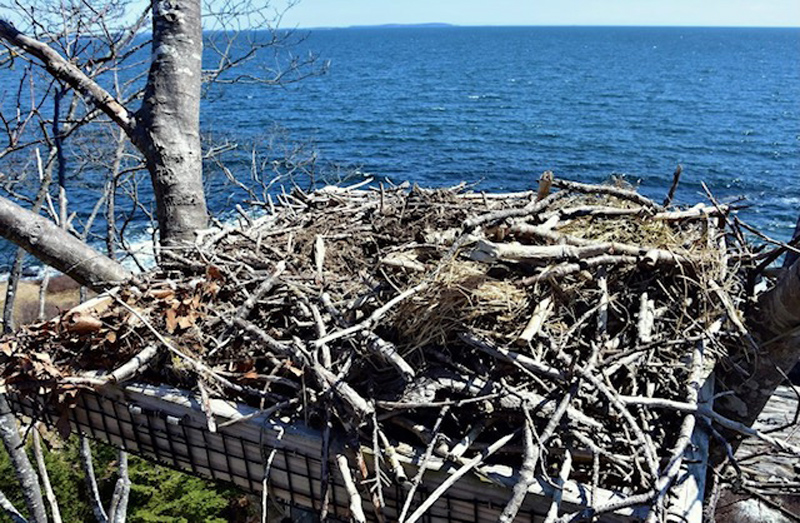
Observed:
{"x":339,"y":13}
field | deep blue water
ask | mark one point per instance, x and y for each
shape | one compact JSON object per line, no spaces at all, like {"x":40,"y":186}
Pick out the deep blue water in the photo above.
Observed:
{"x":442,"y":105}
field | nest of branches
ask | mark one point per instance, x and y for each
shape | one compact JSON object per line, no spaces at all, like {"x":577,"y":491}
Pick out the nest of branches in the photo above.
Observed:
{"x":564,"y":332}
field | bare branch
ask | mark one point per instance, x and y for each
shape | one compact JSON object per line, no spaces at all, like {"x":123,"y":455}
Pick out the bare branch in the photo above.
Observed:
{"x":69,"y":73}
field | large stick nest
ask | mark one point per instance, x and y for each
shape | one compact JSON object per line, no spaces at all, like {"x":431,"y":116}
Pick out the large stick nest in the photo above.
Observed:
{"x":436,"y":318}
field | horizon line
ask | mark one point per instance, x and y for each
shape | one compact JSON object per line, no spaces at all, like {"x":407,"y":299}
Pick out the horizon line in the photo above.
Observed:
{"x":445,"y":25}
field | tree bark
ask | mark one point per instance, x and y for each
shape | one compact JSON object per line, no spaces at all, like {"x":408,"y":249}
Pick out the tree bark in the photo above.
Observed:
{"x":792,"y":256}
{"x":168,"y":129}
{"x":26,"y":475}
{"x":776,"y":325}
{"x":57,"y":248}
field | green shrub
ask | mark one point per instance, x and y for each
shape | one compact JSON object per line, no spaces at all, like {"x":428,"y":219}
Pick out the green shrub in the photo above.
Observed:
{"x":158,"y":494}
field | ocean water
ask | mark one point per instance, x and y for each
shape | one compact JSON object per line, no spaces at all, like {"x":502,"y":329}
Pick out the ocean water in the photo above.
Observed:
{"x":498,"y":106}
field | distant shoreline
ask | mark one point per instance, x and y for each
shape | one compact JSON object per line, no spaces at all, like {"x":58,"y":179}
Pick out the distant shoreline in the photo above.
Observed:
{"x":62,"y":295}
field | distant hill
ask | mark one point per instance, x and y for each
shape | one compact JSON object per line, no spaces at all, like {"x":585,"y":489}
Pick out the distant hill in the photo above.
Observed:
{"x":401,"y":26}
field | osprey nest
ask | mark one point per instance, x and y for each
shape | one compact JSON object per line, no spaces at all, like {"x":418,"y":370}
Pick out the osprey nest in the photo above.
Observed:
{"x":564,"y":332}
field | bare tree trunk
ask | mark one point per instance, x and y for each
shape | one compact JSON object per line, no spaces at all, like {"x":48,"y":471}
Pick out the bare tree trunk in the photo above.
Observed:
{"x":58,"y":248}
{"x":777,"y":320}
{"x":111,"y":198}
{"x":168,"y":124}
{"x":11,"y":290}
{"x":167,"y":127}
{"x":26,"y":475}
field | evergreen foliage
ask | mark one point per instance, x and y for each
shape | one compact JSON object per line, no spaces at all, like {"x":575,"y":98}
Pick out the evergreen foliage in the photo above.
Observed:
{"x":158,"y":494}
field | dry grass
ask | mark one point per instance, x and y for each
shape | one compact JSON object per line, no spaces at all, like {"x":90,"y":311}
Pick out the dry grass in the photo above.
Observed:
{"x":62,"y":295}
{"x":687,"y":238}
{"x":462,"y":296}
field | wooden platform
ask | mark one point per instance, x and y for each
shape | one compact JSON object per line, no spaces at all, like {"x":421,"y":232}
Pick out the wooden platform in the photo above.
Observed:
{"x":760,"y":461}
{"x":168,"y":426}
{"x":770,"y":487}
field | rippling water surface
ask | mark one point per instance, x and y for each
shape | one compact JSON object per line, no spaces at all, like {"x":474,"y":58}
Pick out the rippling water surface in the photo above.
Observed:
{"x":442,"y":105}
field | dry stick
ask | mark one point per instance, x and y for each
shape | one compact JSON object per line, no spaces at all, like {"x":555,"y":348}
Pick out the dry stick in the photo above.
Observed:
{"x":602,"y":312}
{"x":376,"y":457}
{"x":647,"y":317}
{"x":265,"y":478}
{"x":374,"y":343}
{"x":205,"y":406}
{"x":676,"y":178}
{"x":373,"y":318}
{"x":534,"y":453}
{"x":266,"y":413}
{"x":563,"y":476}
{"x":319,"y":255}
{"x":375,"y":497}
{"x":733,"y":314}
{"x":684,"y":438}
{"x":610,"y":190}
{"x":527,"y":472}
{"x":621,"y":461}
{"x":501,"y":353}
{"x":325,"y":350}
{"x":455,"y":476}
{"x":540,"y":314}
{"x":578,"y":250}
{"x":132,"y":366}
{"x":91,"y":481}
{"x":457,"y":450}
{"x":325,"y":469}
{"x":704,"y":410}
{"x":521,"y":195}
{"x":48,"y":487}
{"x":533,"y":207}
{"x":325,"y":377}
{"x":246,"y":308}
{"x":599,"y":211}
{"x":595,"y":476}
{"x":356,"y":510}
{"x":649,"y":452}
{"x":119,"y":502}
{"x":415,"y":483}
{"x":388,"y":351}
{"x":781,"y":246}
{"x":699,"y":211}
{"x":736,"y":231}
{"x":398,"y":471}
{"x":612,"y":506}
{"x":565,"y":269}
{"x":196,"y":365}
